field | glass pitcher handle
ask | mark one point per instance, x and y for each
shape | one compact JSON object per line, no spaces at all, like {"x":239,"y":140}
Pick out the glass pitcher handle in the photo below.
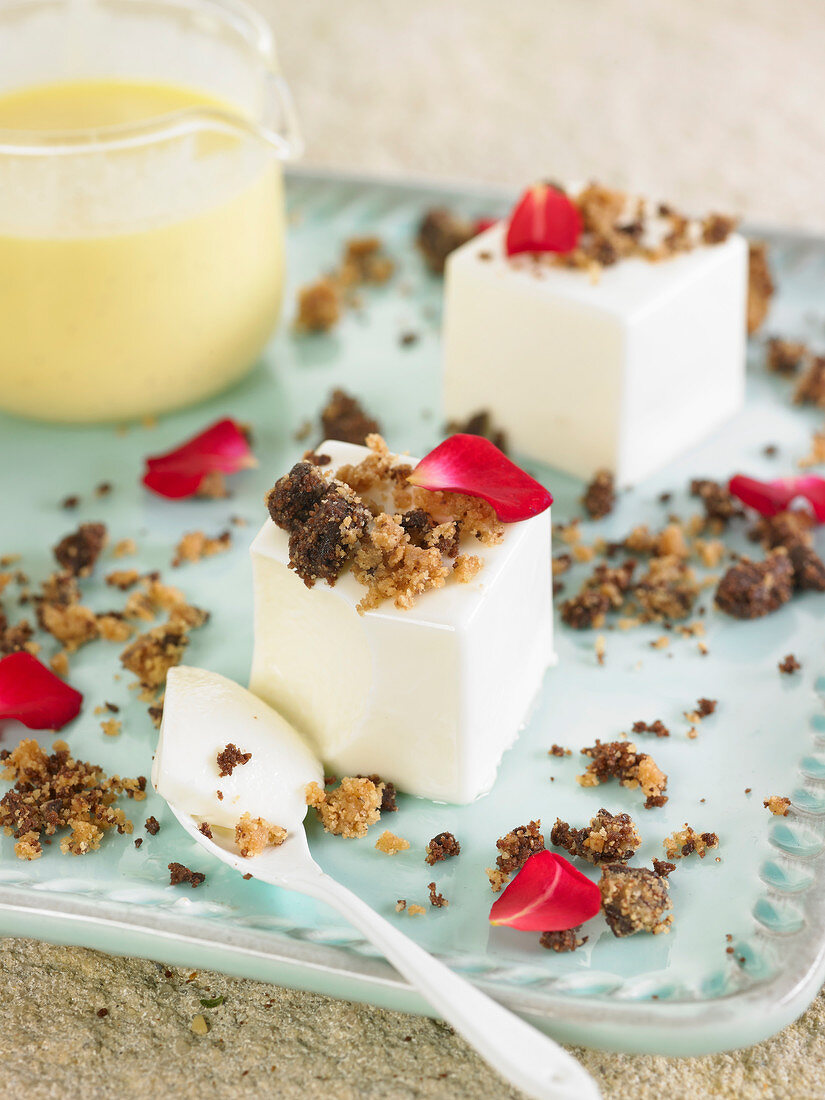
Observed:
{"x":281,"y":127}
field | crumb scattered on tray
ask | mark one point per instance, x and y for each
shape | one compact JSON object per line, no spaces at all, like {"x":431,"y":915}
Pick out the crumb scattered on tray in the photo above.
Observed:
{"x":54,"y":792}
{"x":658,"y":728}
{"x":111,"y":727}
{"x":442,"y":846}
{"x":123,"y":578}
{"x":416,"y":910}
{"x":778,"y":805}
{"x":497,"y":878}
{"x":600,"y":495}
{"x":319,"y":306}
{"x":438,"y":901}
{"x":179,"y":875}
{"x":789,"y":665}
{"x":810,"y":389}
{"x":619,"y":760}
{"x":390,"y":844}
{"x":563,"y":941}
{"x":151,"y":655}
{"x":401,"y":905}
{"x":196,"y":545}
{"x":518,"y":845}
{"x":344,"y":418}
{"x":231,"y":757}
{"x":440,"y":232}
{"x":557,"y":750}
{"x":609,"y":838}
{"x":480,"y":423}
{"x":254,"y":835}
{"x":686,"y":841}
{"x":347,"y":810}
{"x":635,"y":900}
{"x":78,"y":552}
{"x":750,"y":589}
{"x":785,"y":356}
{"x":152,"y":826}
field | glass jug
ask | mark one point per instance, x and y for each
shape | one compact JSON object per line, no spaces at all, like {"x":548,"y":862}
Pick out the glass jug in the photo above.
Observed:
{"x":141,"y":263}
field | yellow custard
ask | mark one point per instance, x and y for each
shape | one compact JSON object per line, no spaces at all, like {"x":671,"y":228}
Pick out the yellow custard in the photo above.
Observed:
{"x":132,"y":279}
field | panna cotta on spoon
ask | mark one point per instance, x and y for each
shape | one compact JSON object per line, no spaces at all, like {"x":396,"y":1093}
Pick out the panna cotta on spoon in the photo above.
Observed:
{"x":223,"y":755}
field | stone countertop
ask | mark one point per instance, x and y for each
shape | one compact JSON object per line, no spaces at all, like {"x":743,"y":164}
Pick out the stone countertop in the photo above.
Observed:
{"x":705,"y":103}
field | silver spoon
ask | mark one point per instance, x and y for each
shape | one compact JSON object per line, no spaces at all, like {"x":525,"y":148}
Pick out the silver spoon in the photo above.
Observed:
{"x":526,"y":1057}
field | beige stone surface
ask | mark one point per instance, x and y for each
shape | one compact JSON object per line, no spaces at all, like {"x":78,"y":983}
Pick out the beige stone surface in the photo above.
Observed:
{"x":269,"y":1042}
{"x":705,"y":102}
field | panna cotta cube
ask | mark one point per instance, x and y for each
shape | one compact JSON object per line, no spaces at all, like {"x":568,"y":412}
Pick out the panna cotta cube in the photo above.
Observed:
{"x":623,"y":370}
{"x":427,"y":696}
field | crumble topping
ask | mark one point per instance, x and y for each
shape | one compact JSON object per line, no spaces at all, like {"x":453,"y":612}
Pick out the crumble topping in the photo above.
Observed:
{"x":785,"y":356}
{"x":760,"y":285}
{"x":789,"y":665}
{"x":438,"y":901}
{"x":442,"y":846}
{"x":609,"y":838}
{"x":54,"y":792}
{"x":480,"y":423}
{"x":619,"y":760}
{"x":498,"y":879}
{"x":178,"y":875}
{"x":686,"y":841}
{"x":123,"y":578}
{"x":635,"y":900}
{"x":441,"y":232}
{"x":319,"y":306}
{"x":196,"y":545}
{"x":253,"y":835}
{"x":563,"y":941}
{"x":78,"y":552}
{"x":416,"y":910}
{"x":349,"y":809}
{"x":517,"y":846}
{"x":388,"y":792}
{"x":667,"y":591}
{"x":344,"y":419}
{"x":751,"y":589}
{"x":719,"y":503}
{"x":365,"y":262}
{"x":658,"y":728}
{"x":230,"y":758}
{"x":152,"y":826}
{"x":206,"y":829}
{"x":151,"y":655}
{"x":792,"y":530}
{"x":390,"y":844}
{"x":600,"y":495}
{"x":777,"y":804}
{"x":113,"y":627}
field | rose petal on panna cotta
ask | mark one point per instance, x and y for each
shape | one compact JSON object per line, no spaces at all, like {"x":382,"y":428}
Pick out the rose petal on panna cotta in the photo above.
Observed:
{"x":221,"y":448}
{"x":474,"y":466}
{"x":547,"y":895}
{"x":34,"y":695}
{"x":203,"y":712}
{"x":544,"y":220}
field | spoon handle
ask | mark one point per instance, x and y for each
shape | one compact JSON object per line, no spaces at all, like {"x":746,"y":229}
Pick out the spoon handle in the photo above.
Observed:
{"x":525,"y":1056}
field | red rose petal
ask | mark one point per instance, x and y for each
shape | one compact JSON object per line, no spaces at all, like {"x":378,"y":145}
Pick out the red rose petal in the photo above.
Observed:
{"x":547,"y":895}
{"x":179,"y":473}
{"x":33,"y":695}
{"x":544,"y":220}
{"x":482,"y":224}
{"x":770,"y":497}
{"x":474,"y":466}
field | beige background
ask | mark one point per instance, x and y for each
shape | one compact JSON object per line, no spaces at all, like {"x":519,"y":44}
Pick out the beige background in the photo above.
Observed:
{"x":703,"y":102}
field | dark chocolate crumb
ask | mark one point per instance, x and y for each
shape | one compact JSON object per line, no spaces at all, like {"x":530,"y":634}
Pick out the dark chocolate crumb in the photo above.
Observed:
{"x":178,"y":874}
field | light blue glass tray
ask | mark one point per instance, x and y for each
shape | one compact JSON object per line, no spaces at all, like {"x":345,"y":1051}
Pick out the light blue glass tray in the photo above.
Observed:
{"x":675,"y":994}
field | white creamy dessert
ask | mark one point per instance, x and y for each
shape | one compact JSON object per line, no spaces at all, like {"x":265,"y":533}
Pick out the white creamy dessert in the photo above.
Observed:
{"x":620,"y":367}
{"x":427,"y":697}
{"x":203,"y":712}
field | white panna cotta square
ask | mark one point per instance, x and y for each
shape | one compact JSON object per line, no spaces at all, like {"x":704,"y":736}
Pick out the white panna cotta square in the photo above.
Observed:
{"x":622,"y":373}
{"x":428,"y":698}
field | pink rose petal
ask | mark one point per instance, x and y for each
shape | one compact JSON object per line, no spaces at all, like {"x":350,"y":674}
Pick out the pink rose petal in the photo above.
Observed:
{"x":179,"y":473}
{"x":547,"y":895}
{"x":770,"y":497}
{"x":544,"y":220}
{"x":33,"y":695}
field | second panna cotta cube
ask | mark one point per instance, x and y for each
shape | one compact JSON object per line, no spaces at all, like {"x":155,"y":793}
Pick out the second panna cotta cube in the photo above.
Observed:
{"x":613,"y":339}
{"x":404,"y":632}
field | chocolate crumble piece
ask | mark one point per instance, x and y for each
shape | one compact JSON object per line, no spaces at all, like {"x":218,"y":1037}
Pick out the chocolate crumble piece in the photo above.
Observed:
{"x":480,"y":423}
{"x":152,"y":826}
{"x":517,"y":846}
{"x":344,"y":419}
{"x":562,"y":941}
{"x":442,"y":846}
{"x":139,"y":841}
{"x":441,"y":232}
{"x":178,"y":874}
{"x":810,"y":389}
{"x":610,"y":838}
{"x":70,"y":503}
{"x":320,"y":548}
{"x":388,"y":793}
{"x":438,"y":901}
{"x":619,"y":760}
{"x":718,"y":502}
{"x":79,"y":551}
{"x":662,"y":868}
{"x":557,"y":750}
{"x":792,"y":530}
{"x":14,"y":638}
{"x":785,"y":356}
{"x":760,"y":285}
{"x":230,"y":758}
{"x":750,"y":589}
{"x":686,"y":841}
{"x":205,"y":828}
{"x":600,"y":495}
{"x":789,"y":665}
{"x":706,"y":707}
{"x":151,"y":655}
{"x":635,"y":900}
{"x":319,"y":306}
{"x":658,"y":727}
{"x":294,"y":495}
{"x":425,"y":533}
{"x":587,"y":610}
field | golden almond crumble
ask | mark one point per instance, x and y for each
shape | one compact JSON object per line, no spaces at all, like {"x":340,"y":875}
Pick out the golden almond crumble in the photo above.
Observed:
{"x":111,"y":727}
{"x":349,"y":809}
{"x":54,"y":792}
{"x":777,"y":804}
{"x":619,"y":760}
{"x":151,"y":655}
{"x":416,"y":910}
{"x":254,"y":835}
{"x":686,"y":841}
{"x":390,"y":844}
{"x":196,"y":545}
